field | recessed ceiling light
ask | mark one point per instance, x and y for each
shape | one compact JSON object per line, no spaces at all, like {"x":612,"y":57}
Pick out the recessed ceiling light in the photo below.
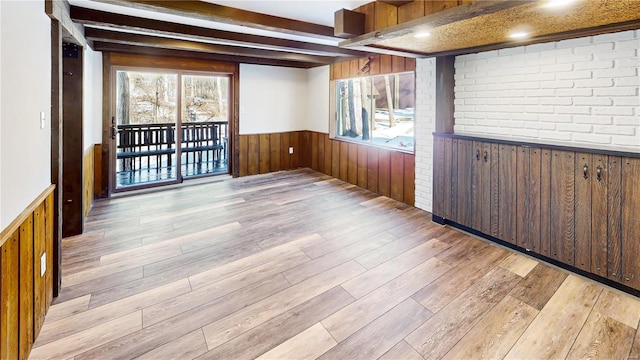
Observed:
{"x":557,"y":3}
{"x":422,"y":35}
{"x":519,"y":35}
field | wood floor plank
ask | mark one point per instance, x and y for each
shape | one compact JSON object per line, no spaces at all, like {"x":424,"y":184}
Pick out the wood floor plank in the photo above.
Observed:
{"x":620,"y":307}
{"x":441,"y":292}
{"x":539,"y":285}
{"x":385,"y":272}
{"x":56,"y":330}
{"x":307,"y":345}
{"x":231,"y":326}
{"x":518,"y":264}
{"x":202,"y":295}
{"x":492,"y":337}
{"x":634,"y":354}
{"x":189,"y":346}
{"x":435,"y":337}
{"x":382,"y":334}
{"x":560,"y":321}
{"x":355,"y":316}
{"x":337,"y":257}
{"x":149,"y":338}
{"x":62,"y":310}
{"x":602,"y":338}
{"x":281,"y":328}
{"x":78,"y":343}
{"x":403,"y":351}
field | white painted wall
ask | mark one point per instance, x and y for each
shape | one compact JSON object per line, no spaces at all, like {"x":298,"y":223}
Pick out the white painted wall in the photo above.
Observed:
{"x":26,"y":91}
{"x":581,"y":91}
{"x":272,"y":99}
{"x":92,"y":98}
{"x":318,"y":99}
{"x":425,"y":123}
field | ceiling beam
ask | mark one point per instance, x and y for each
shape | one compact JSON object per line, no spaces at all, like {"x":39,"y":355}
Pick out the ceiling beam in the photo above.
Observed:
{"x":176,"y":44}
{"x":155,"y":51}
{"x":105,"y":19}
{"x":229,"y":15}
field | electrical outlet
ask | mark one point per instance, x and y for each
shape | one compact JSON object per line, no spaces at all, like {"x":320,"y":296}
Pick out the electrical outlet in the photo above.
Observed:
{"x":43,"y":120}
{"x":43,"y":264}
{"x":290,"y":149}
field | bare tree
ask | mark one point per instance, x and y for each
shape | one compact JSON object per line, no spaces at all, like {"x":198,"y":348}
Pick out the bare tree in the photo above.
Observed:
{"x":123,"y":97}
{"x":387,"y":87}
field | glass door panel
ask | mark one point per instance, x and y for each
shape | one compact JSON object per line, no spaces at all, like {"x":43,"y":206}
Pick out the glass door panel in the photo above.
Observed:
{"x":145,"y":136}
{"x":205,"y":121}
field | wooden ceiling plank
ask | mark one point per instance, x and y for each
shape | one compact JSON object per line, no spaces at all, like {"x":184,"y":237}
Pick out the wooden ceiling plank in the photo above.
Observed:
{"x":90,"y":17}
{"x":154,"y":51}
{"x":229,"y":15}
{"x":176,"y":44}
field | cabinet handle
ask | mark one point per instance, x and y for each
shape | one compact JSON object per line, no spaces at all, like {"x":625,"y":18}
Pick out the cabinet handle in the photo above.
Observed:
{"x":478,"y":154}
{"x":585,"y":168}
{"x":599,"y":173}
{"x":485,"y":156}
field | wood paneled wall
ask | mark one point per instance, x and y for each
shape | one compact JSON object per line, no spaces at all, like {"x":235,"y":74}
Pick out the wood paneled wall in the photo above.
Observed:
{"x":386,"y":172}
{"x":25,"y":296}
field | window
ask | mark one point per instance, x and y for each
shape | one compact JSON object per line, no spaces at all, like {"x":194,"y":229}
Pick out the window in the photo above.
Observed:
{"x":377,"y":110}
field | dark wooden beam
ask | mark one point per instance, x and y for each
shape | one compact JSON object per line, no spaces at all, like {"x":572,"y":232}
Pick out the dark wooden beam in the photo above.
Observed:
{"x":445,"y":93}
{"x":229,"y":15}
{"x":176,"y":44}
{"x":348,"y":24}
{"x":156,"y":51}
{"x":105,"y":19}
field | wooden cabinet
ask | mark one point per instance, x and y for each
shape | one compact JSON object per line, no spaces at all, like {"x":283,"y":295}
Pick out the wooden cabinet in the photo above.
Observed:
{"x":575,"y":206}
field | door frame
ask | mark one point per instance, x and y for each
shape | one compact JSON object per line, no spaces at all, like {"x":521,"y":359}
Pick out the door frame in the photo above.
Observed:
{"x":186,"y":65}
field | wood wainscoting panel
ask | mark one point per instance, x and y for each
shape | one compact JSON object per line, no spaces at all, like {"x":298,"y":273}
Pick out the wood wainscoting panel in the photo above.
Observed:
{"x":25,"y":294}
{"x":630,"y":226}
{"x":88,"y":179}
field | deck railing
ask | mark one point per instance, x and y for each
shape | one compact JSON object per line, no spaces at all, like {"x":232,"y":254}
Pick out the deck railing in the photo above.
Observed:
{"x":153,"y":147}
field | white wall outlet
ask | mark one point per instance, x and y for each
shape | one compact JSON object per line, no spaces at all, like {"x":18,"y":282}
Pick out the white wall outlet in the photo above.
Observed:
{"x":43,"y":264}
{"x":290,"y":149}
{"x":43,"y":120}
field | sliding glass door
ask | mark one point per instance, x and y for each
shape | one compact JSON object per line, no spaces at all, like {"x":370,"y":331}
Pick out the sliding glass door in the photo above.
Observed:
{"x":168,"y":126}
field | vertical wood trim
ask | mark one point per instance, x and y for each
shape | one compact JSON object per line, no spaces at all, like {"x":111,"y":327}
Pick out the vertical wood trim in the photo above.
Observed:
{"x":599,"y":202}
{"x":327,"y":154}
{"x":476,"y":186}
{"x":385,"y":64}
{"x":494,"y":160}
{"x":49,"y":248}
{"x":243,"y":158}
{"x":409,"y":188}
{"x":384,"y":173}
{"x":397,"y":64}
{"x":453,"y":176}
{"x":97,"y":170}
{"x":346,"y":69}
{"x":304,"y":143}
{"x":463,"y":173}
{"x":294,"y":140}
{"x":88,"y":176}
{"x":523,"y":214}
{"x":535,"y":199}
{"x":545,"y":202}
{"x":485,"y":189}
{"x":374,"y":67}
{"x":56,"y":142}
{"x":410,"y":64}
{"x":372,"y":169}
{"x":614,"y":220}
{"x":344,"y":161}
{"x":285,"y":158}
{"x":26,"y":261}
{"x":321,"y":153}
{"x":253,"y":151}
{"x":582,"y":216}
{"x":410,"y":11}
{"x":264,"y":153}
{"x":352,"y":164}
{"x":397,"y":176}
{"x":444,"y":93}
{"x":446,"y":189}
{"x":362,"y":166}
{"x":437,"y":206}
{"x":385,"y":15}
{"x":9,"y":297}
{"x":335,"y":159}
{"x":315,"y":150}
{"x":508,"y":193}
{"x":274,"y":152}
{"x":39,"y":282}
{"x":234,"y":124}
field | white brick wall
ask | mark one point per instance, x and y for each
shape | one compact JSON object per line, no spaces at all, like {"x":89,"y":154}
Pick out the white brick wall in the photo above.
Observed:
{"x":582,"y":91}
{"x":424,"y":127}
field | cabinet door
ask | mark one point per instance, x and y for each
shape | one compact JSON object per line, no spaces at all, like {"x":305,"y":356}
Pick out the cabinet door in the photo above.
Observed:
{"x":583,"y":176}
{"x":452,"y":149}
{"x":528,"y":198}
{"x":614,"y":220}
{"x":507,"y":190}
{"x":630,"y":225}
{"x":545,"y":202}
{"x":562,"y":229}
{"x":464,"y":183}
{"x":486,"y":189}
{"x":494,"y":188}
{"x":599,"y":204}
{"x":477,"y":182}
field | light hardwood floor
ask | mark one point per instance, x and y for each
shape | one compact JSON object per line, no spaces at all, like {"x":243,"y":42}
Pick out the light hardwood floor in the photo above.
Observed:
{"x":297,"y":265}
